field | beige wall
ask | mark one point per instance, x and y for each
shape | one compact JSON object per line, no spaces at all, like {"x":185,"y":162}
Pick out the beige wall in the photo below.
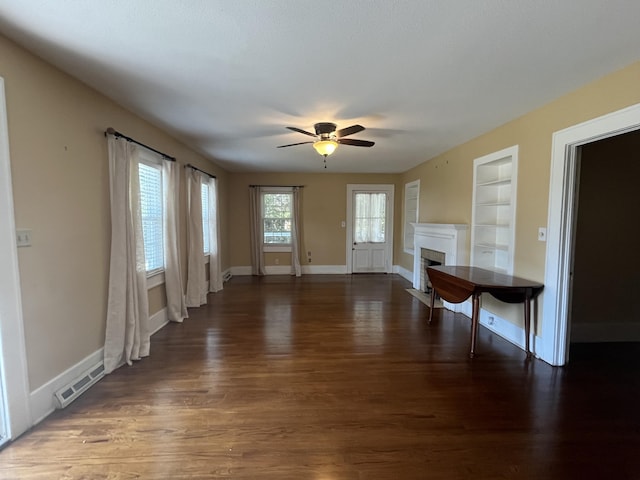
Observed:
{"x":446,"y":181}
{"x":606,"y":257}
{"x":324,"y":207}
{"x":60,"y":184}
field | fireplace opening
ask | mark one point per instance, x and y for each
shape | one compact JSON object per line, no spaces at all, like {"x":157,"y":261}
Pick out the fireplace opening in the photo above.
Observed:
{"x":429,"y":258}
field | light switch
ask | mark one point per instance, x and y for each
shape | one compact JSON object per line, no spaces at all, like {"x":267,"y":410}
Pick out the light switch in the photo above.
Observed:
{"x":23,"y":237}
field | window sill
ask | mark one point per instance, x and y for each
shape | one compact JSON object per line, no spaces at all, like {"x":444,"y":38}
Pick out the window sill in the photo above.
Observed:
{"x":155,"y":279}
{"x":276,"y":249}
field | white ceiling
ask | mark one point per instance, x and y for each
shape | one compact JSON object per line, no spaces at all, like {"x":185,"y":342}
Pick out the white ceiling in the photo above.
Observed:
{"x":226,"y":76}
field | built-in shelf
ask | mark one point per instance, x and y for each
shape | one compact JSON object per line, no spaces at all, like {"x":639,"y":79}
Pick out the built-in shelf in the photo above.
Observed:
{"x":493,"y":210}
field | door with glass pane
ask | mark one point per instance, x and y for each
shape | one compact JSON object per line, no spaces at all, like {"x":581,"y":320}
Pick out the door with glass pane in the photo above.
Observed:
{"x":371,"y":229}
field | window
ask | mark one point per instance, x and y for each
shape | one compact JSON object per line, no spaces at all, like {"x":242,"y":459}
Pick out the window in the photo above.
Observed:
{"x":276,"y":219}
{"x":152,"y":216}
{"x":411,"y":200}
{"x":370,"y":217}
{"x":206,"y":231}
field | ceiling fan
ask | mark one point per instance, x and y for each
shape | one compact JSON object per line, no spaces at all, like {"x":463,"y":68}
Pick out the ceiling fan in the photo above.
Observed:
{"x":327,"y":138}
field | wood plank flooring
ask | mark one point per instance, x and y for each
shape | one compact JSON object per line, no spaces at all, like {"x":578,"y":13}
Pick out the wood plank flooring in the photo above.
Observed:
{"x":340,"y":378}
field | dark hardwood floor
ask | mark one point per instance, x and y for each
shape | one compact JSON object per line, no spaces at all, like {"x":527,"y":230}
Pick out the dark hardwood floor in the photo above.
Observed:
{"x":341,"y":378}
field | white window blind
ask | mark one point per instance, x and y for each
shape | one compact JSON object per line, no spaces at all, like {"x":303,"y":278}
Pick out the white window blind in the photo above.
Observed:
{"x":152,"y":216}
{"x":276,"y":218}
{"x":370,"y":216}
{"x":205,"y":218}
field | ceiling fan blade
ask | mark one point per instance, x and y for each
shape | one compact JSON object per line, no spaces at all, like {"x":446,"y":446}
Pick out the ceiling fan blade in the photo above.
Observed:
{"x":355,"y":143}
{"x":301,"y":131}
{"x":293,"y":144}
{"x":349,"y":130}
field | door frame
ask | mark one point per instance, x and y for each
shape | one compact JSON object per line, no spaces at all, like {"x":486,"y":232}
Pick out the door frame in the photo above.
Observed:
{"x":561,"y":222}
{"x":13,"y":359}
{"x":364,"y":187}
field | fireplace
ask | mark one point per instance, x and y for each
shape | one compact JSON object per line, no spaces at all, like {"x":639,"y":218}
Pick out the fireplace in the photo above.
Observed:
{"x":429,"y":258}
{"x":449,"y":241}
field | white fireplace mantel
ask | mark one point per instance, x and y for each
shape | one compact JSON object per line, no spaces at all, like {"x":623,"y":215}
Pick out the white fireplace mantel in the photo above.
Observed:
{"x":449,"y":238}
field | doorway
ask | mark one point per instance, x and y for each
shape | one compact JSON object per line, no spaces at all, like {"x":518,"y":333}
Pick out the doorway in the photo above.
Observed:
{"x":606,"y":260}
{"x":369,"y":228}
{"x":566,"y":144}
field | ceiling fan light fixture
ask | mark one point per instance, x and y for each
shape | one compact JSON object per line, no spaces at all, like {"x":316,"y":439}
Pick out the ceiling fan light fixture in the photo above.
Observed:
{"x":325,"y":147}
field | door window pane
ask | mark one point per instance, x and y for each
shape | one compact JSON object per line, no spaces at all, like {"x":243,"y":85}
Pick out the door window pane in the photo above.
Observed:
{"x":370,"y":216}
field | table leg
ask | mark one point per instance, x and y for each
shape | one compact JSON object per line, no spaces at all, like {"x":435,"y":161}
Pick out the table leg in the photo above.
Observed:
{"x":475,"y":313}
{"x":527,"y":322}
{"x":432,"y":303}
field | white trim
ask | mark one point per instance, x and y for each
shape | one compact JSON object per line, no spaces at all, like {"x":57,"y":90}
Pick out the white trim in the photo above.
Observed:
{"x":403,"y":272}
{"x":410,"y":221}
{"x":557,"y":288}
{"x":389,"y":189}
{"x":276,"y":248}
{"x":43,"y":399}
{"x":15,"y":391}
{"x":324,"y":269}
{"x":155,"y":279}
{"x":277,"y":269}
{"x":240,"y":271}
{"x":158,"y":320}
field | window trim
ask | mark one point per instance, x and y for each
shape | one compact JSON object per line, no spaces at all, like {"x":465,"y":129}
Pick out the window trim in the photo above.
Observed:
{"x":407,"y":221}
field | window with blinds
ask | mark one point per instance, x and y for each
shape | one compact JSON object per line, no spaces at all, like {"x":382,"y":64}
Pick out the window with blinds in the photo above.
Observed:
{"x":206,"y":233}
{"x":152,"y":216}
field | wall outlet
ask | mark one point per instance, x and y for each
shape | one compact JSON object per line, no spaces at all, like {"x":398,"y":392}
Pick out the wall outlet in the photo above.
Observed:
{"x":277,"y":261}
{"x":542,"y":234}
{"x":491,"y":320}
{"x":23,"y":237}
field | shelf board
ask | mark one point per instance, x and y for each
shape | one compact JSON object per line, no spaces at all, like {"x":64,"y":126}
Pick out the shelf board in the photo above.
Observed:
{"x":492,"y":183}
{"x":492,"y":246}
{"x":494,"y":204}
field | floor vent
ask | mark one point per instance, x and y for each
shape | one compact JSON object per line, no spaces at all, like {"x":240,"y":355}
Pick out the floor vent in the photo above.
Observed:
{"x":227,"y":276}
{"x":69,"y":393}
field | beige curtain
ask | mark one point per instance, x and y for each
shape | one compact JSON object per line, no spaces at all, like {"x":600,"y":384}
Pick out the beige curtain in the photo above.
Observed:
{"x":176,"y":304}
{"x":196,"y":277}
{"x":127,"y":335}
{"x":295,"y":233}
{"x":215,"y":271}
{"x":255,"y":218}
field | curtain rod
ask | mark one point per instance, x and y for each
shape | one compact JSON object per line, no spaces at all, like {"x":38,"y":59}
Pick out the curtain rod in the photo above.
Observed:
{"x":276,"y":186}
{"x":112,"y":131}
{"x":201,"y":171}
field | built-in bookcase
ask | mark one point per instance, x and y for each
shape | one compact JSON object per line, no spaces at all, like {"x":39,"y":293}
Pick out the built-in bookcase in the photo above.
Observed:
{"x":494,"y":210}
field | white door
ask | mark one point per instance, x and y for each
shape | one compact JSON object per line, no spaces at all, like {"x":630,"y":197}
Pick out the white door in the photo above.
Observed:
{"x":371,"y":228}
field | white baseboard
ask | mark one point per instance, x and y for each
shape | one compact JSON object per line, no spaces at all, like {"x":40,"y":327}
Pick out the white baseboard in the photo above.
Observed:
{"x":403,"y":272}
{"x":605,"y":332}
{"x":324,"y":269}
{"x":43,"y":401}
{"x":286,"y":270}
{"x":505,"y":329}
{"x":158,"y":320}
{"x":240,"y":271}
